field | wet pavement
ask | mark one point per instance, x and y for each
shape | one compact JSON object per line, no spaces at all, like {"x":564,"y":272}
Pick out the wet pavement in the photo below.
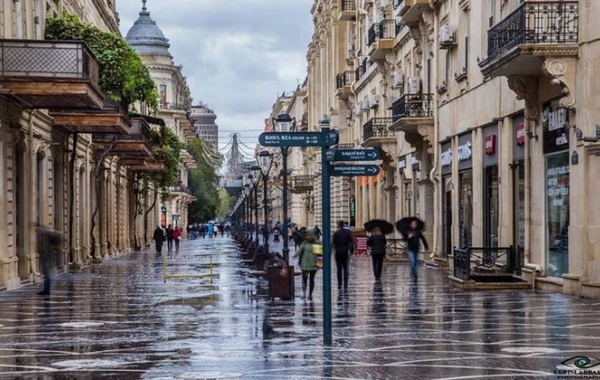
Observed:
{"x":118,"y":320}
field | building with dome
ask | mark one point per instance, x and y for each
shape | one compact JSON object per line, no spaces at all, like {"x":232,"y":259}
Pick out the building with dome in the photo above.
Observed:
{"x":146,"y":37}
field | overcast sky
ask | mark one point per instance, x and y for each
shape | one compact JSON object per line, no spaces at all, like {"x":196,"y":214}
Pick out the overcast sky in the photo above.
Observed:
{"x":238,"y":55}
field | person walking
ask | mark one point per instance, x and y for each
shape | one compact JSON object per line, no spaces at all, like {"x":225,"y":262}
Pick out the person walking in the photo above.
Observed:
{"x":169,"y":239}
{"x":377,"y":242}
{"x":159,"y":238}
{"x":177,"y":237}
{"x":413,"y":240}
{"x":308,"y":263}
{"x":318,"y":232}
{"x":49,"y":242}
{"x":343,"y":246}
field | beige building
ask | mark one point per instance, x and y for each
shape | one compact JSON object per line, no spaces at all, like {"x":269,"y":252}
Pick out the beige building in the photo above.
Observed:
{"x":70,"y":159}
{"x":484,"y":113}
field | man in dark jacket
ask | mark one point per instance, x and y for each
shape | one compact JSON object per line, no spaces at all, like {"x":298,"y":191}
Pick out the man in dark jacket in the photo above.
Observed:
{"x":48,"y":245}
{"x":414,"y":238}
{"x":342,"y":245}
{"x":159,"y":238}
{"x":169,"y":239}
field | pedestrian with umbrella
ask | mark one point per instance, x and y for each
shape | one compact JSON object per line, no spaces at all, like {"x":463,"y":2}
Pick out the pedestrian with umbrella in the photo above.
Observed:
{"x":411,"y":229}
{"x":377,"y":242}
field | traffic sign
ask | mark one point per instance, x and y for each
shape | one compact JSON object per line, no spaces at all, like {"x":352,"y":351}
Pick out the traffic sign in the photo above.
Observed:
{"x":163,"y":209}
{"x":352,"y":155}
{"x":354,"y":170}
{"x":332,"y":137}
{"x":286,"y":139}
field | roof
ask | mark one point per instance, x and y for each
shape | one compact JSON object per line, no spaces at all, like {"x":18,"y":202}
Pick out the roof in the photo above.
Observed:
{"x":146,"y":37}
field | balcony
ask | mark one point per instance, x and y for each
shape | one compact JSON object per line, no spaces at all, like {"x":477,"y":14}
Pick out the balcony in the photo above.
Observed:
{"x":381,"y":39}
{"x":518,"y":44}
{"x":142,"y":165}
{"x":173,"y":107}
{"x":413,"y":115}
{"x":51,"y":75}
{"x":301,"y":184}
{"x":181,"y":190}
{"x":136,"y":143}
{"x":347,"y":10}
{"x":411,"y":10}
{"x":110,"y":119}
{"x":343,"y":84}
{"x":361,"y":70}
{"x":376,"y":132}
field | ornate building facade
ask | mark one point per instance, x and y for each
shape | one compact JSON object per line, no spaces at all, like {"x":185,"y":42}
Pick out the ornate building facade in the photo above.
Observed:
{"x":484,"y":116}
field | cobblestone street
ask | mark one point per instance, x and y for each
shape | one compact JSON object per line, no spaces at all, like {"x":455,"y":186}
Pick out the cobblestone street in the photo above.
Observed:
{"x":118,"y":320}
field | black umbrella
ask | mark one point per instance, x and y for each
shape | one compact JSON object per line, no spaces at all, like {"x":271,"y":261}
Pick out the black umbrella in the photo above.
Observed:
{"x":403,"y":225}
{"x":385,"y":226}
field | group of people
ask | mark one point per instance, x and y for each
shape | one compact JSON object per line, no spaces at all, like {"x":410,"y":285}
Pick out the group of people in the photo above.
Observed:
{"x":308,"y":247}
{"x":170,"y":235}
{"x":194,"y":231}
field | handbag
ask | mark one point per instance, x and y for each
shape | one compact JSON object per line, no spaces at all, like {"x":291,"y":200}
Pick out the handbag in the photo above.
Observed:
{"x":318,"y":252}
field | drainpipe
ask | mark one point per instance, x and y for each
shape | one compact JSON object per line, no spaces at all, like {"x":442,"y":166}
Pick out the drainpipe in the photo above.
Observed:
{"x":433,"y":174}
{"x":30,"y":257}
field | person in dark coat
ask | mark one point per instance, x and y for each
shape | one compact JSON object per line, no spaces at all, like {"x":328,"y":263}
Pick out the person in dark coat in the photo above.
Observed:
{"x":169,"y":239}
{"x":377,"y":243}
{"x":343,"y":246}
{"x":413,"y":240}
{"x":159,"y":238}
{"x":49,"y":242}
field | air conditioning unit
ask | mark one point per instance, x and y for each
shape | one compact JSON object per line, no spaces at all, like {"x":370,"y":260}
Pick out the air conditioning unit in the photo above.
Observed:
{"x":365,"y":104}
{"x":398,"y":79}
{"x":373,"y":101}
{"x":390,"y":102}
{"x":358,"y":109}
{"x":447,"y":36}
{"x":414,"y":85}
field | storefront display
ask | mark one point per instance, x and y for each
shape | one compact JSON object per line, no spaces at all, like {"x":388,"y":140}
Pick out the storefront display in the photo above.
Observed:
{"x":518,"y":167}
{"x":556,"y":144}
{"x":465,"y":196}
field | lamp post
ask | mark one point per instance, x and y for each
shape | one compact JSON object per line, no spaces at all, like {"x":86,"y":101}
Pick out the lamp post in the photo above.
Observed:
{"x":265,"y":162}
{"x":253,"y":176}
{"x":247,"y":210}
{"x":284,"y":123}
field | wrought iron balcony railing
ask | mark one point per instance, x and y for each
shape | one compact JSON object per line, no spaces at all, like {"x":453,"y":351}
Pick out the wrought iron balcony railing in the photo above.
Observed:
{"x":348,"y":5}
{"x":140,"y":130}
{"x":381,"y":30}
{"x":361,"y":70}
{"x":48,"y":59}
{"x":418,"y":105}
{"x":344,"y":79}
{"x":539,"y":22}
{"x":174,"y":106}
{"x":377,"y":127}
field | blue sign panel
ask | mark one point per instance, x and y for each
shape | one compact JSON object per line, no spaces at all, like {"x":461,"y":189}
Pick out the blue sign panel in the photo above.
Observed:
{"x":352,"y":155}
{"x":353,"y":170}
{"x":287,"y":139}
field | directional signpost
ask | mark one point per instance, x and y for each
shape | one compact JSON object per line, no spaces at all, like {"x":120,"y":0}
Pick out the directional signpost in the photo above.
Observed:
{"x":325,"y":139}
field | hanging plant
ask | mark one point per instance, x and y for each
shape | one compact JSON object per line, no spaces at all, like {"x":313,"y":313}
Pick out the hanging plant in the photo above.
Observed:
{"x":123,"y":75}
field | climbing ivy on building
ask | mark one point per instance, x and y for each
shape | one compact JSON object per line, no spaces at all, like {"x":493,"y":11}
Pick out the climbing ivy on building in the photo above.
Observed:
{"x":123,"y":75}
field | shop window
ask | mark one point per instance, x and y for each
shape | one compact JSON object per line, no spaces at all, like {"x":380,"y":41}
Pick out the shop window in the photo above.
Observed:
{"x":557,"y":213}
{"x":466,"y":209}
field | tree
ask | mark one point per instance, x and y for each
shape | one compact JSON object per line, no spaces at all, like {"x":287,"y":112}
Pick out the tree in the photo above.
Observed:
{"x":203,"y":182}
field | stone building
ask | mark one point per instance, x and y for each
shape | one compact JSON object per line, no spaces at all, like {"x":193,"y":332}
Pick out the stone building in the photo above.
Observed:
{"x":485,"y":116}
{"x":175,"y":107}
{"x":205,"y":125}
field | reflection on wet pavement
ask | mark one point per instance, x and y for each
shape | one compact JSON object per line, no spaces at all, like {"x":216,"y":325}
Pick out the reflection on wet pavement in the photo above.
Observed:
{"x":119,"y":320}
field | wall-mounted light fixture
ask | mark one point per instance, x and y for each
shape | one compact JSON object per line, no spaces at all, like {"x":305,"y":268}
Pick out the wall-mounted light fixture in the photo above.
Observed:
{"x":580,"y":137}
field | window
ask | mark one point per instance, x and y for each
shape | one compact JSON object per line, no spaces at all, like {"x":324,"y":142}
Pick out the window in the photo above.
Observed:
{"x":491,"y":11}
{"x":163,"y":94}
{"x":557,"y":213}
{"x":447,"y":72}
{"x":466,"y":40}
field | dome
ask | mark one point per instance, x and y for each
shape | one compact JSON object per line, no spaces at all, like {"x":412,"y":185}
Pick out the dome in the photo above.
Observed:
{"x":146,"y":37}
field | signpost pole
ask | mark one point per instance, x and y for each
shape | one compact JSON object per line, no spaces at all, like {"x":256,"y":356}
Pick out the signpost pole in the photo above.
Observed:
{"x":285,"y":250}
{"x":326,"y":218}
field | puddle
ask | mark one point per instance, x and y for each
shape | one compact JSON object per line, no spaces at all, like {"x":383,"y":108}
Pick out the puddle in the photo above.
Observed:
{"x":87,"y":364}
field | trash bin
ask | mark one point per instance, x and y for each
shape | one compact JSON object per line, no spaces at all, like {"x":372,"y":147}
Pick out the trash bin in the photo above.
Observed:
{"x":281,"y":282}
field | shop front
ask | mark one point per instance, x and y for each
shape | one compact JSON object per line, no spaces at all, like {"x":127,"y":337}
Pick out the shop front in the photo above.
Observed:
{"x":491,"y":199}
{"x":446,"y":165}
{"x":518,"y":191}
{"x":555,"y":121}
{"x":465,"y":190}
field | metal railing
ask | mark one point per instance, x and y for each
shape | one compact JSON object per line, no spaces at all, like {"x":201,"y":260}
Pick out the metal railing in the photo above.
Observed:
{"x":377,"y":127}
{"x":361,"y":70}
{"x":348,"y":5}
{"x":173,"y":106}
{"x":416,"y":105}
{"x":344,"y":79}
{"x":180,"y":189}
{"x":540,"y":22}
{"x":381,"y":30}
{"x":48,"y":59}
{"x":140,"y":130}
{"x":487,"y":257}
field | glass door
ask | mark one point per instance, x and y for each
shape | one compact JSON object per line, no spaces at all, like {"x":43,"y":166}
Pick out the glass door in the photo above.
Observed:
{"x":447,"y":218}
{"x":518,"y":215}
{"x":491,"y":210}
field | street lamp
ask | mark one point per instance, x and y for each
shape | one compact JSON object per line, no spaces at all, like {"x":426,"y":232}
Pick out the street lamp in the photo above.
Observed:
{"x":253,"y":176}
{"x":284,"y":123}
{"x":265,"y":162}
{"x":247,"y":210}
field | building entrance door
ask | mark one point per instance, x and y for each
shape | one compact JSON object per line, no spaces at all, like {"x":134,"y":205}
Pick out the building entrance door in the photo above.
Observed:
{"x":447,"y":218}
{"x":491,"y":207}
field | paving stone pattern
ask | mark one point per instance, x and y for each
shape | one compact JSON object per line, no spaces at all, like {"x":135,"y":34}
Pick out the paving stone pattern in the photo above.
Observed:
{"x":118,"y":320}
